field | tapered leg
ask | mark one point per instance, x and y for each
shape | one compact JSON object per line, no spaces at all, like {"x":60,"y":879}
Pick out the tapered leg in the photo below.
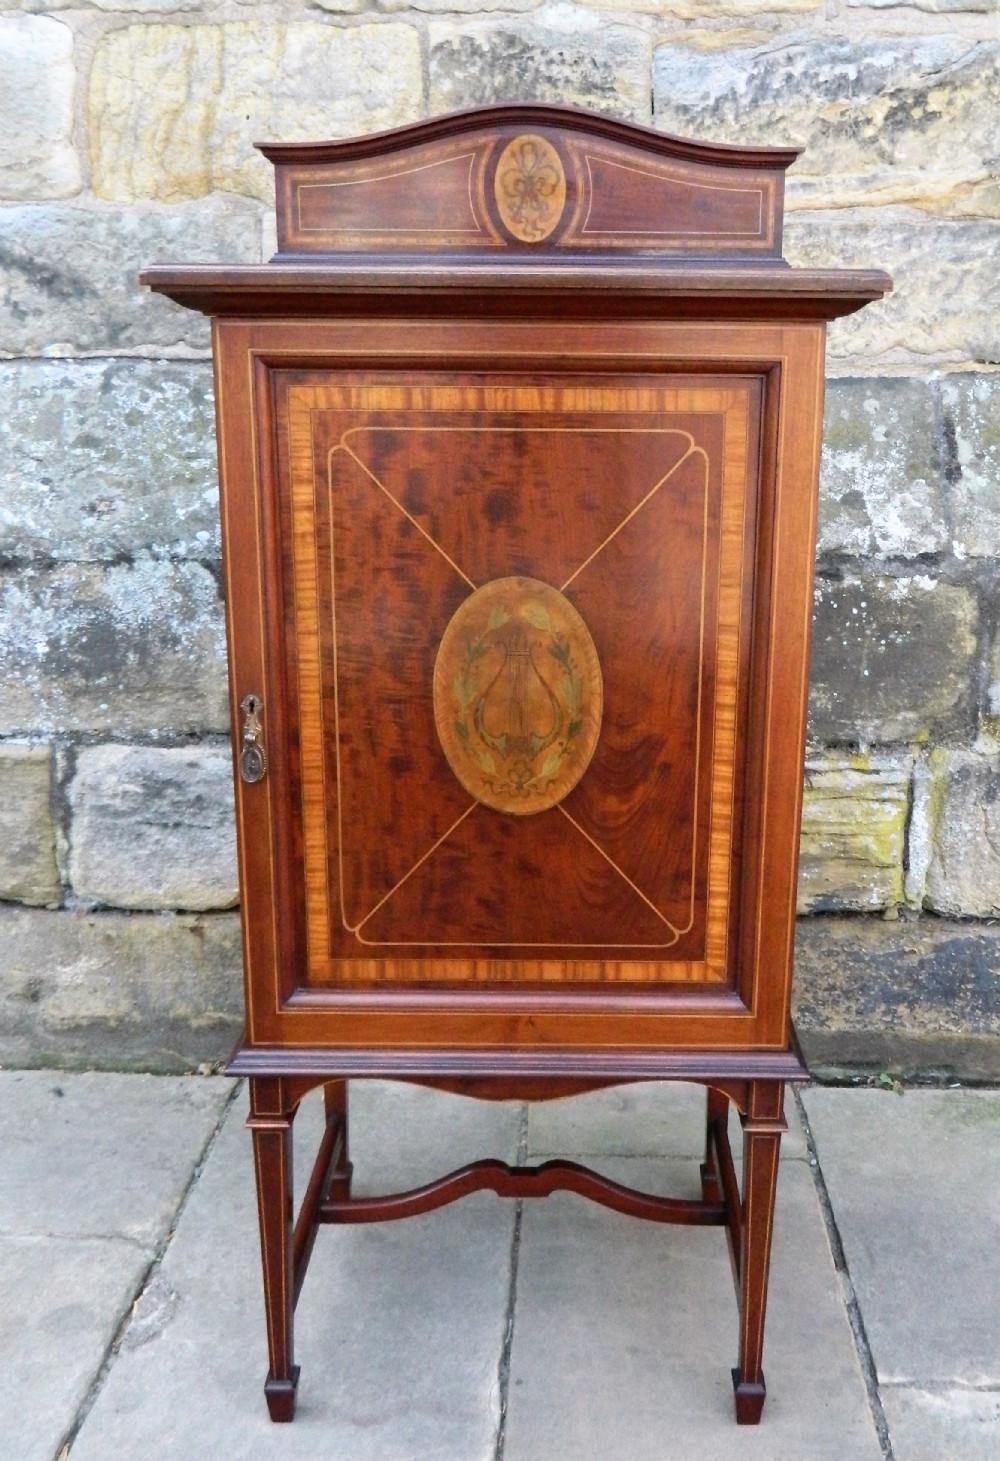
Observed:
{"x":335,"y":1106}
{"x":762,"y":1129}
{"x":717,"y":1112}
{"x":272,"y":1149}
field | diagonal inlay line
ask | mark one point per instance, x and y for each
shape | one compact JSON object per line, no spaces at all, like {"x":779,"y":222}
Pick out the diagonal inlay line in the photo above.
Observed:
{"x":397,"y":504}
{"x":355,"y":927}
{"x":623,"y":875}
{"x":691,"y":451}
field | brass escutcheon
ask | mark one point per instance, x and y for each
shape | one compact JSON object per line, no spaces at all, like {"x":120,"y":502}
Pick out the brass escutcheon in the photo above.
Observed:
{"x":253,"y":759}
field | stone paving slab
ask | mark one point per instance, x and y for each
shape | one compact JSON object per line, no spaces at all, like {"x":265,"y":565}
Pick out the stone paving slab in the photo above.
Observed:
{"x":92,"y":1171}
{"x":648,"y":1119}
{"x":625,"y":1333}
{"x":914,"y":1181}
{"x":403,"y":1135}
{"x":943,"y":1425}
{"x":61,"y":1302}
{"x":399,"y":1328}
{"x":100,"y":1155}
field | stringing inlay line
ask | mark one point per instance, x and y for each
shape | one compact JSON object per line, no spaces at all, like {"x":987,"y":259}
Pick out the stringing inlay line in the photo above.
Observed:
{"x":677,"y":932}
{"x":396,"y":503}
{"x":353,"y":928}
{"x":535,"y":430}
{"x":624,"y":876}
{"x":692,"y":449}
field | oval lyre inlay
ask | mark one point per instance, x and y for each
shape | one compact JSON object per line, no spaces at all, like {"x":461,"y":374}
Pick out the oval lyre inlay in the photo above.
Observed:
{"x":518,"y":695}
{"x":530,"y":188}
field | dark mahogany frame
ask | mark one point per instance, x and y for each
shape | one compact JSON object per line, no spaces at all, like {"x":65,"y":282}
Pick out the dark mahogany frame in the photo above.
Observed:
{"x":687,"y":308}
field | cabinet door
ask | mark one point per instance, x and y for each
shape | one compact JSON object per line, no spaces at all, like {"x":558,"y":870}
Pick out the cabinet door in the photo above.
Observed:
{"x":515,"y":611}
{"x":533,"y":634}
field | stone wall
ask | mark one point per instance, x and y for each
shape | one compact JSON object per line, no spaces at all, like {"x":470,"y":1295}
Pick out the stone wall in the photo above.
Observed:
{"x":125,"y":132}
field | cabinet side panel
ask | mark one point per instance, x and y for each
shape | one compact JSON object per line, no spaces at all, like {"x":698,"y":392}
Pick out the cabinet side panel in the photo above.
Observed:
{"x":793,"y":419}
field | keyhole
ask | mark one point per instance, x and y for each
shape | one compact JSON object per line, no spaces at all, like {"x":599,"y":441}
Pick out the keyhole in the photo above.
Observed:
{"x":253,"y":762}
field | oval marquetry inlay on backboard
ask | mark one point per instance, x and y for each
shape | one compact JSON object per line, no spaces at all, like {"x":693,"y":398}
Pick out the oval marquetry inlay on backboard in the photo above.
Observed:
{"x":530,"y":188}
{"x":518,"y":695}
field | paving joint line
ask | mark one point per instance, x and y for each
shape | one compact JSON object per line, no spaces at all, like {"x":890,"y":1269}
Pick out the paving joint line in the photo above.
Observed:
{"x":855,"y":1317}
{"x":503,"y":1367}
{"x":66,"y":1443}
{"x":941,"y":1387}
{"x":42,"y":1235}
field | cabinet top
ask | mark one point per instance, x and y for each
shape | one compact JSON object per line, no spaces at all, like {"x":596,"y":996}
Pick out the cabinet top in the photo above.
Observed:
{"x":529,"y":179}
{"x":531,"y":206}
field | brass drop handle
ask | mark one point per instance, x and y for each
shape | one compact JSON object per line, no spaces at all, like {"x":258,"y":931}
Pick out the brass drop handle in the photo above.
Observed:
{"x":253,"y":760}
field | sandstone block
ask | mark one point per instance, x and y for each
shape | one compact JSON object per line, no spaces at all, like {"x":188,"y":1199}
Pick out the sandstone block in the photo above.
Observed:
{"x":568,"y":56}
{"x":28,"y":872}
{"x":989,"y":719}
{"x":101,"y":460}
{"x":853,"y":832}
{"x":118,"y":991}
{"x":154,"y":828}
{"x":964,"y":874}
{"x":907,"y":995}
{"x":939,"y":7}
{"x":894,"y":659}
{"x":138,"y":7}
{"x":37,"y":156}
{"x":880,"y":483}
{"x":702,"y":12}
{"x":215,"y":89}
{"x":930,"y":775}
{"x":456,"y":7}
{"x":972,"y":426}
{"x":127,"y":648}
{"x":69,"y":283}
{"x":945,"y":305}
{"x":887,"y":120}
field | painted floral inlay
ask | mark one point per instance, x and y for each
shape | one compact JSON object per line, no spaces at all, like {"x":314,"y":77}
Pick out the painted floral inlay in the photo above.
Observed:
{"x":530,"y":188}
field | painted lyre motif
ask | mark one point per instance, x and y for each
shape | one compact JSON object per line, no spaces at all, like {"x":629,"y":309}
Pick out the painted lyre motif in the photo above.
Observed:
{"x":518,"y":695}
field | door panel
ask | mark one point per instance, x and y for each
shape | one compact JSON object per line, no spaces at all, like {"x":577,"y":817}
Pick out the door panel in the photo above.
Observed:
{"x":448,"y":829}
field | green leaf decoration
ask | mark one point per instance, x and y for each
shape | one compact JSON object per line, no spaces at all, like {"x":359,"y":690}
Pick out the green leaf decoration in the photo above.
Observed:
{"x":572,"y":692}
{"x":462,"y":729}
{"x":498,"y":617}
{"x":550,"y":763}
{"x":575,"y":727}
{"x":559,"y":652}
{"x":538,"y":615}
{"x":487,"y":762}
{"x":462,"y":690}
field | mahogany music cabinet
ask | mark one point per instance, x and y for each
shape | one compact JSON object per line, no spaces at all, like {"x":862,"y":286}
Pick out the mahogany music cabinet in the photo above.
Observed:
{"x":519,"y":435}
